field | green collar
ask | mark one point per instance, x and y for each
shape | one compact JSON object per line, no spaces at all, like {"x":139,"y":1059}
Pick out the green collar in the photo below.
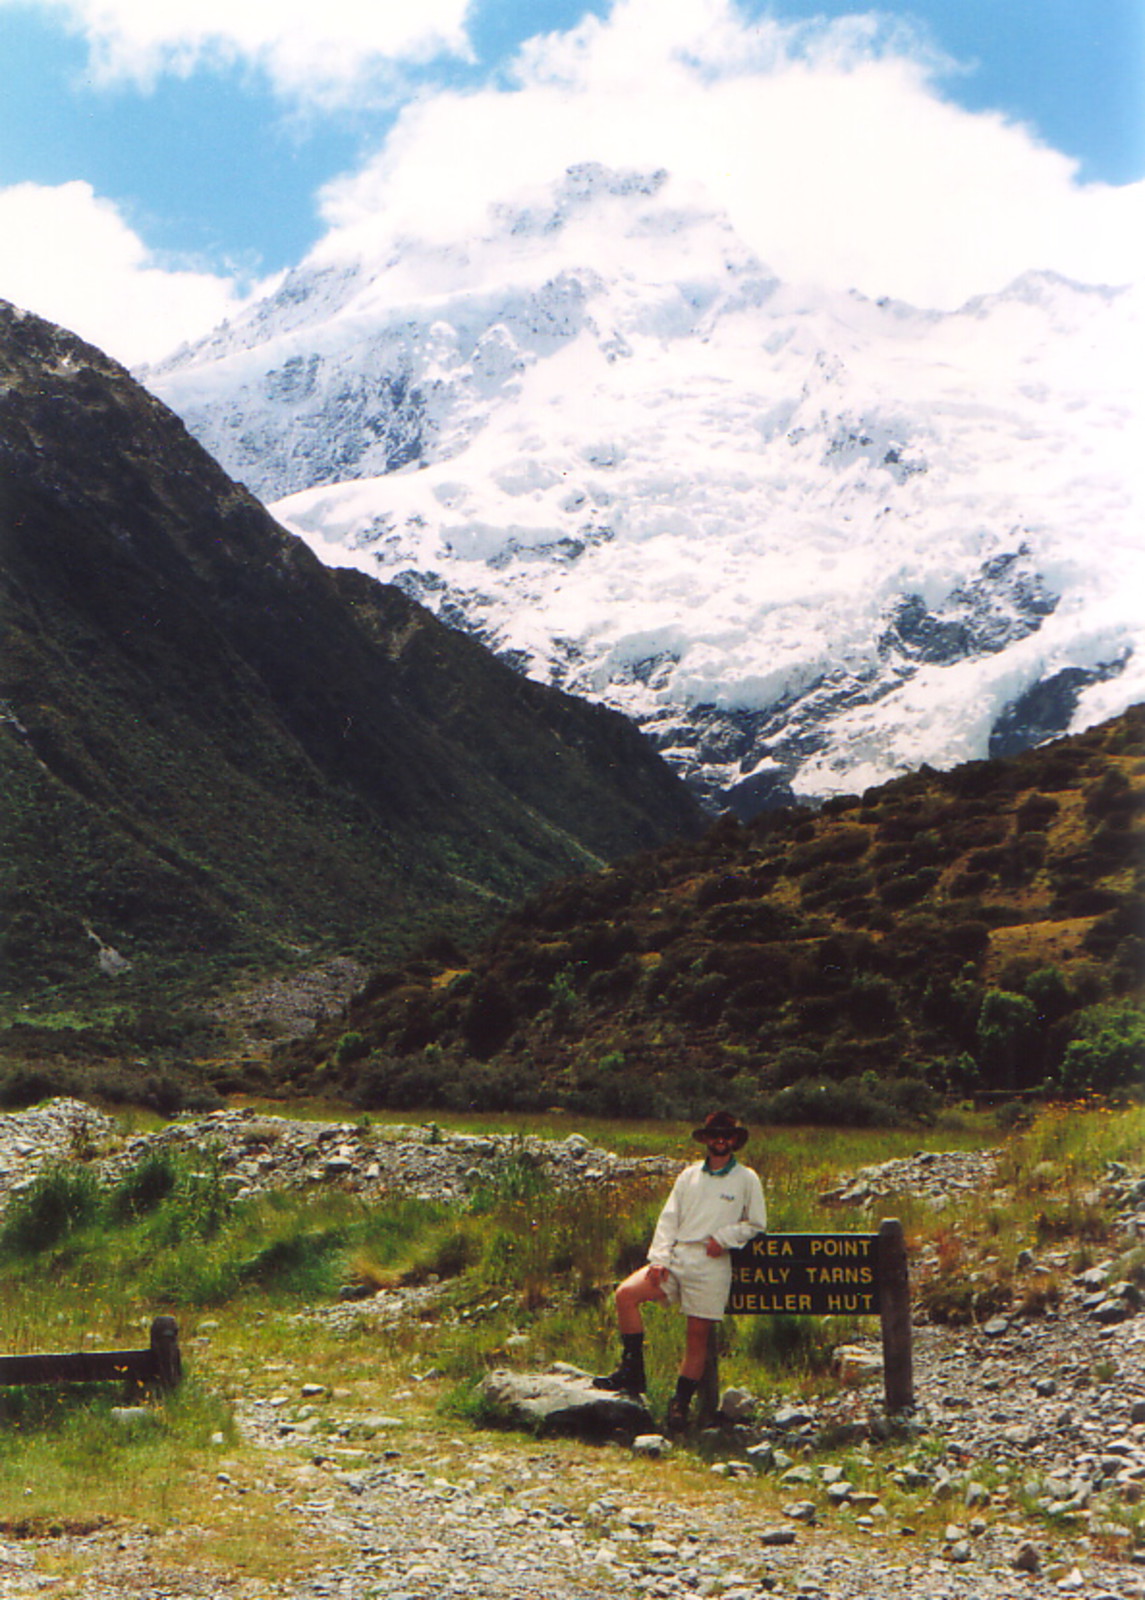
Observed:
{"x":719,"y":1172}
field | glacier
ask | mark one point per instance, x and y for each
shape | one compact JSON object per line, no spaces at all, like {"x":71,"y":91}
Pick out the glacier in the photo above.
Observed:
{"x":807,"y":540}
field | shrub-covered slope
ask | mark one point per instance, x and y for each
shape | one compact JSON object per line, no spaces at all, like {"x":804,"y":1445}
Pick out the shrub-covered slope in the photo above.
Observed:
{"x":978,"y":929}
{"x":215,"y":749}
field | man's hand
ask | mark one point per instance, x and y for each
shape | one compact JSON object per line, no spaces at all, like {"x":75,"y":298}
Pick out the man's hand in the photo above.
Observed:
{"x":714,"y":1247}
{"x":656,"y":1276}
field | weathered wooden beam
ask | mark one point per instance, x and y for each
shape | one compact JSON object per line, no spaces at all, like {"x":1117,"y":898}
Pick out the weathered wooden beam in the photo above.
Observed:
{"x":160,"y":1364}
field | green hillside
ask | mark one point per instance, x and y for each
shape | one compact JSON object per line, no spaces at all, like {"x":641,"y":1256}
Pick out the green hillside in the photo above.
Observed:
{"x":944,"y":935}
{"x":219,"y":757}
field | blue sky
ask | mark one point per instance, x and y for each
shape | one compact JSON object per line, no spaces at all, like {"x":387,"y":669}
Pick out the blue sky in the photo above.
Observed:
{"x":199,"y":139}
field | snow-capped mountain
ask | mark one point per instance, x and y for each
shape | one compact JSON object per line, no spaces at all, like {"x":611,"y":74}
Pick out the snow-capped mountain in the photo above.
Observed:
{"x":806,"y":540}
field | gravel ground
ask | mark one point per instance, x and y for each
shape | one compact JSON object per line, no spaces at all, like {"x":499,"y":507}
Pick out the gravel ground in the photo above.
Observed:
{"x":1026,"y":1462}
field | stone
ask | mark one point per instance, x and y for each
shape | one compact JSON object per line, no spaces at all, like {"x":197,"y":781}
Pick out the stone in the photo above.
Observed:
{"x":737,"y":1405}
{"x":653,"y":1445}
{"x":774,"y":1537}
{"x":853,"y":1364}
{"x":554,"y":1404}
{"x":795,"y":1477}
{"x":1026,"y":1557}
{"x":800,"y":1510}
{"x":788,"y":1418}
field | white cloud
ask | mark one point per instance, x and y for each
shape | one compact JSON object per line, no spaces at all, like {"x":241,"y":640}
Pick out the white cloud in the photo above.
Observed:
{"x":69,"y":256}
{"x":830,"y":146}
{"x":309,"y":48}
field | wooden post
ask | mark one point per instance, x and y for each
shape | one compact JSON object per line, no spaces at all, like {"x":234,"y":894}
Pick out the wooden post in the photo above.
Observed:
{"x":894,"y":1310}
{"x":165,"y":1349}
{"x":708,"y":1394}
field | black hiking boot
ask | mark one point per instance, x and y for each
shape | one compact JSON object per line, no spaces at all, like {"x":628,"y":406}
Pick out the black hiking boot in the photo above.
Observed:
{"x":629,"y":1375}
{"x":627,"y":1379}
{"x":676,"y":1421}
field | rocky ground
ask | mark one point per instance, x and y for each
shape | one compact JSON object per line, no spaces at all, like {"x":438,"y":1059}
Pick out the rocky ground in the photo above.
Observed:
{"x":1017,"y":1477}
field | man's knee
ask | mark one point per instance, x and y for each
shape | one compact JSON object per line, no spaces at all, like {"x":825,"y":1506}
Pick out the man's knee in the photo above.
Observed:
{"x":627,"y":1294}
{"x":636,"y":1289}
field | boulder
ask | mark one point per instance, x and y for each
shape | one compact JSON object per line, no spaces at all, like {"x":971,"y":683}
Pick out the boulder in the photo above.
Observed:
{"x":855,"y":1364}
{"x":560,"y":1403}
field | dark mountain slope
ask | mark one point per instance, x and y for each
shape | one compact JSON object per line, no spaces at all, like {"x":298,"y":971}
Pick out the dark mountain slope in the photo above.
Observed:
{"x":947,"y":933}
{"x":214,"y":747}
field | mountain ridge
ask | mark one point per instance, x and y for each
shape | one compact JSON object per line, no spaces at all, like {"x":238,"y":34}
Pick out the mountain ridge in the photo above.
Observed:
{"x":218,"y":751}
{"x":520,"y":426}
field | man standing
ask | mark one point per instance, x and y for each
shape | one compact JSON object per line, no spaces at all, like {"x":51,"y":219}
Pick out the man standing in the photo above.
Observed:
{"x":715,"y":1206}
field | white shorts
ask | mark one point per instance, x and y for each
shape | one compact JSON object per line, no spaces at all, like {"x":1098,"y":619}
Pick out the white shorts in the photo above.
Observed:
{"x":698,"y":1284}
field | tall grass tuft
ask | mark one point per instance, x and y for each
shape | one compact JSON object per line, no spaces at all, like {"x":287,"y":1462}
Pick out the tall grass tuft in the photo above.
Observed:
{"x":58,"y":1201}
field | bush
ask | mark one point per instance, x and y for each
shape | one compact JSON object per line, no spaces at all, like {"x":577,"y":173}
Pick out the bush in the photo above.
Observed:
{"x":804,"y":1345}
{"x":872,"y":1003}
{"x":1007,"y":1030}
{"x":909,"y":889}
{"x":351,"y":1047}
{"x":27,"y":1086}
{"x":145,"y":1187}
{"x":60,"y":1200}
{"x":1107,"y":1054}
{"x":1035,"y":813}
{"x":303,"y":1264}
{"x":1049,"y":992}
{"x":842,"y":844}
{"x":488,"y":1019}
{"x":854,"y":1102}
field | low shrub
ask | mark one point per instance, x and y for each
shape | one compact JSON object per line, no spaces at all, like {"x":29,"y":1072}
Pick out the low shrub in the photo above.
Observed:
{"x":1107,"y":1052}
{"x":59,"y":1200}
{"x":803,"y":1346}
{"x":145,"y":1186}
{"x":853,"y":1102}
{"x":27,"y":1086}
{"x":960,"y":1298}
{"x":302,"y":1264}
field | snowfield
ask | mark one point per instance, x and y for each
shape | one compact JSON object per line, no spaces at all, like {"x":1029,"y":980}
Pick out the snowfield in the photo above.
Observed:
{"x":806,"y":539}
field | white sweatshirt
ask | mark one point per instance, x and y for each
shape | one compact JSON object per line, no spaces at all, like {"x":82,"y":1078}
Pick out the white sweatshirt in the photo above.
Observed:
{"x":726,"y":1206}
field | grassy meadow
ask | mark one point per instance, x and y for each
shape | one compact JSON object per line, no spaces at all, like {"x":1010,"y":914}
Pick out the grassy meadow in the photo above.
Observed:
{"x":518,"y":1275}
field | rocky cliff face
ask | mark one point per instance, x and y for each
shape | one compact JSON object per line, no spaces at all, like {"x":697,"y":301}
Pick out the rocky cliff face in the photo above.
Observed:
{"x":808,"y":541}
{"x":214,"y":746}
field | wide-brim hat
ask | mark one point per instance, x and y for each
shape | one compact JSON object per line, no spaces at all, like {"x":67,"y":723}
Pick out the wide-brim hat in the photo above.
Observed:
{"x":722,"y":1122}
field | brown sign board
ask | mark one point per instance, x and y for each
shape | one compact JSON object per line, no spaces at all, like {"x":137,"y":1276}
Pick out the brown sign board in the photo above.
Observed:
{"x":807,"y":1274}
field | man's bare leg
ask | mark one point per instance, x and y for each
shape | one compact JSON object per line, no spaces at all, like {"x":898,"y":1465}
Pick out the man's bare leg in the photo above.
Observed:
{"x":636,"y":1291}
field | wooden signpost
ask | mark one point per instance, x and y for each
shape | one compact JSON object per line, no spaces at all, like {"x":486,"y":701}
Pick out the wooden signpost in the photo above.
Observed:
{"x":833,"y":1274}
